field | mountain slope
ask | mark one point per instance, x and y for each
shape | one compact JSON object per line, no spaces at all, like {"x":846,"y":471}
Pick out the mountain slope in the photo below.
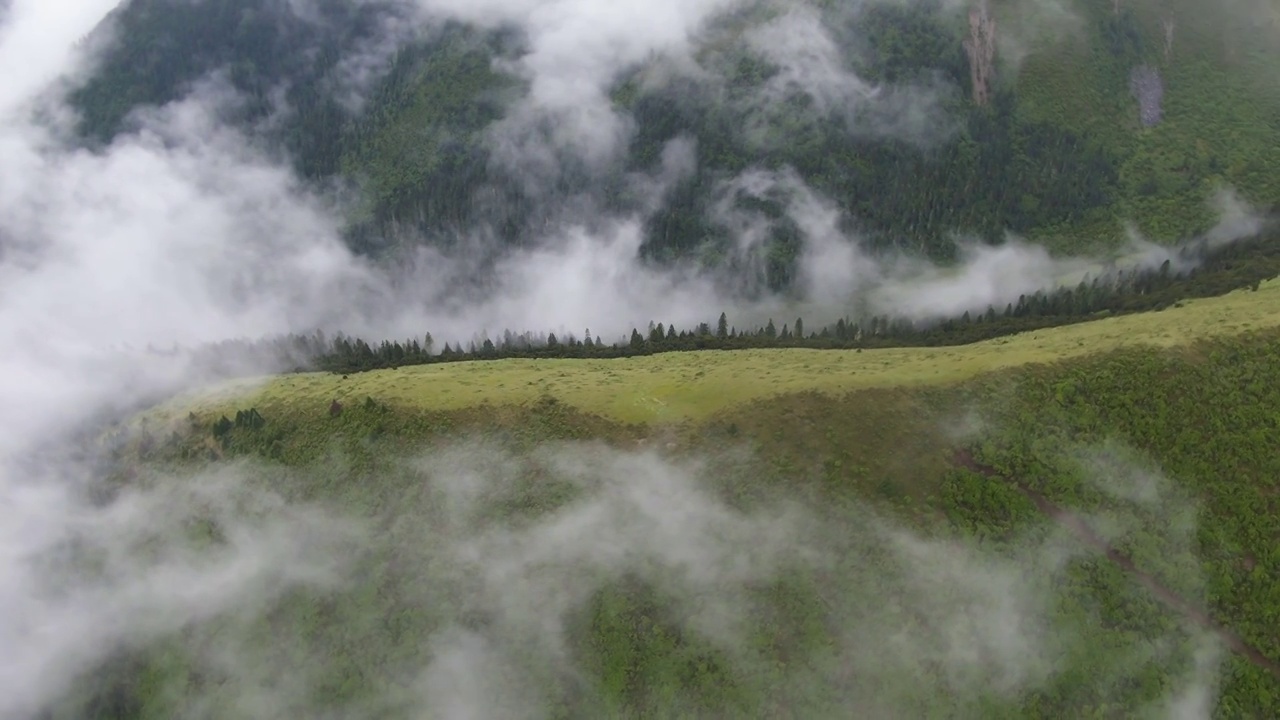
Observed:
{"x":1053,"y":143}
{"x":1065,"y":538}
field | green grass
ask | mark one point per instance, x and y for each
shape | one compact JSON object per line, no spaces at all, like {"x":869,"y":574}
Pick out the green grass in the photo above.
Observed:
{"x":693,"y":386}
{"x":869,"y":465}
{"x":1184,"y":400}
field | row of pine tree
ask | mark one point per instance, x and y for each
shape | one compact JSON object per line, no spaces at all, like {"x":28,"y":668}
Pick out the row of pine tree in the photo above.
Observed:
{"x":1238,"y":266}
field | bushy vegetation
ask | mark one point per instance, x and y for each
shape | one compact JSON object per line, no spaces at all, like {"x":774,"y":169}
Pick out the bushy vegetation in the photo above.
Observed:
{"x":1202,"y":418}
{"x":1164,"y":454}
{"x":1161,"y":455}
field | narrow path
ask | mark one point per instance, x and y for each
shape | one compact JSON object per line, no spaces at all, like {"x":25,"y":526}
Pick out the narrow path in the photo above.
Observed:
{"x":1078,"y":527}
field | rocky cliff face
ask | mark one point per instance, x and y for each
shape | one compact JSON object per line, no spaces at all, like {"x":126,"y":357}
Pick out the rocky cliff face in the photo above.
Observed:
{"x":981,"y":49}
{"x":1148,"y":88}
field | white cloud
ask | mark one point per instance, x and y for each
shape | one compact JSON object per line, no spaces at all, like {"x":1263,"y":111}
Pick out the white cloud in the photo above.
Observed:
{"x":576,"y":49}
{"x":183,"y":232}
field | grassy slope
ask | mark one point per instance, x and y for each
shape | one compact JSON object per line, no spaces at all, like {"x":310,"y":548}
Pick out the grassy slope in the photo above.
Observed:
{"x":1188,"y":392}
{"x":1202,"y":414}
{"x":676,"y":387}
{"x":1219,"y":125}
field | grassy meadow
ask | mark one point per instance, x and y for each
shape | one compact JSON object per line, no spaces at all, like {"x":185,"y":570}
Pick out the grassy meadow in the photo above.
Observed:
{"x":693,"y":386}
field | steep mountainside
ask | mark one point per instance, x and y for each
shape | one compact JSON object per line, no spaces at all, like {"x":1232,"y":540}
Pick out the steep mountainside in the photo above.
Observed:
{"x":918,"y":120}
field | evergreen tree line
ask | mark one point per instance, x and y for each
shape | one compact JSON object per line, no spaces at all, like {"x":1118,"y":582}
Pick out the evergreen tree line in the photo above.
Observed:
{"x":1244,"y":264}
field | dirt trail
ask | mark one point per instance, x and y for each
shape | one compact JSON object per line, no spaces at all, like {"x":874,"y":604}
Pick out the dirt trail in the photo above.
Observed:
{"x":1078,"y":527}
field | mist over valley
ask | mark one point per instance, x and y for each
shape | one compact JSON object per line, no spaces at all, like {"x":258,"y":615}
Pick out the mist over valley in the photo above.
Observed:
{"x":566,"y":358}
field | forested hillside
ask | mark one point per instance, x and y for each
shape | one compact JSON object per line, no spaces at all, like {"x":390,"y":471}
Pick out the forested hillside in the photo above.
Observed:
{"x":916,"y":119}
{"x":558,"y":359}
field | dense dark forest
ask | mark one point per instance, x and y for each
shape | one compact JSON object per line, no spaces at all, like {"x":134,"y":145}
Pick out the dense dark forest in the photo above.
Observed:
{"x":1037,"y":153}
{"x":159,"y":49}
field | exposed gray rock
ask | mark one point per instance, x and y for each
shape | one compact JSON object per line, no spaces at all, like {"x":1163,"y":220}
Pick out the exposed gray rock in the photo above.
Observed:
{"x":981,"y":49}
{"x":1148,"y":88}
